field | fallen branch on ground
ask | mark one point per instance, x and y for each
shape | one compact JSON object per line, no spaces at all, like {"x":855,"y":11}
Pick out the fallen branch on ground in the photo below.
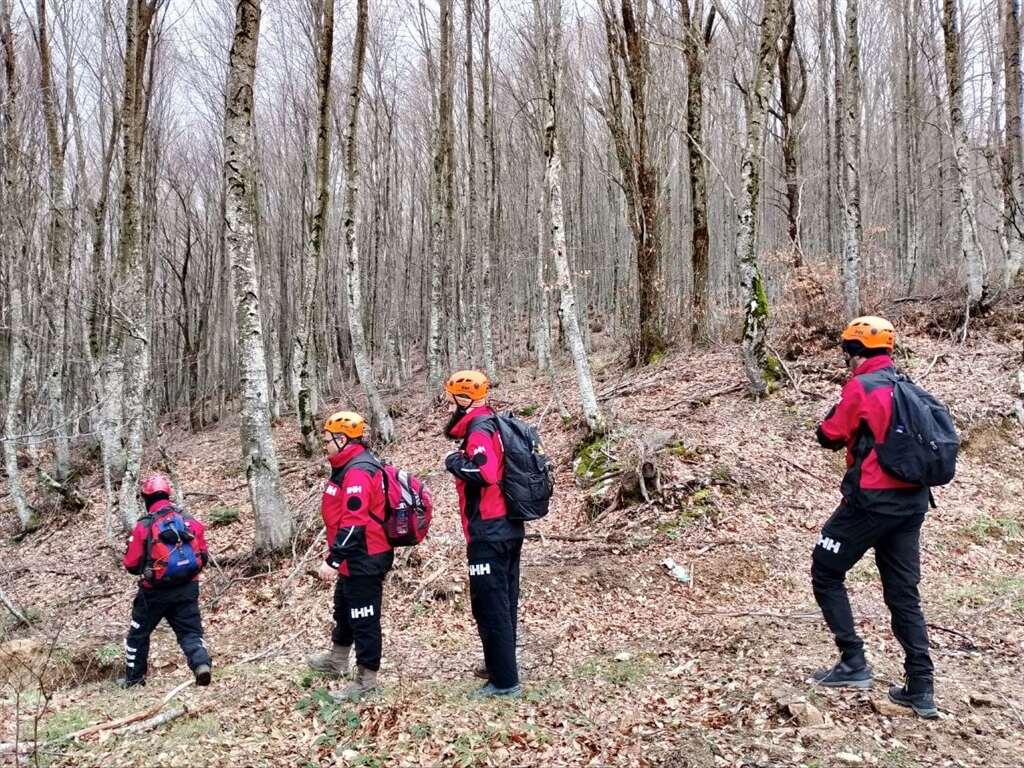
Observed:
{"x":14,"y":610}
{"x":161,"y":719}
{"x":972,"y":645}
{"x":805,"y":470}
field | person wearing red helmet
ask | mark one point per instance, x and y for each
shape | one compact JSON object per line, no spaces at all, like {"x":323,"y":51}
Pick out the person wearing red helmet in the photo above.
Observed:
{"x":167,"y":550}
{"x":877,"y":511}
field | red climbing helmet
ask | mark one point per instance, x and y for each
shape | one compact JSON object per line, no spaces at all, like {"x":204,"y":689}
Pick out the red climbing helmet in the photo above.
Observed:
{"x":154,"y":484}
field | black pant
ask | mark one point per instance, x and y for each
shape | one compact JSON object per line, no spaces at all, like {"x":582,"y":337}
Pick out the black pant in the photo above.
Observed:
{"x":180,"y":606}
{"x":494,"y":594}
{"x":847,"y":535}
{"x":357,"y":604}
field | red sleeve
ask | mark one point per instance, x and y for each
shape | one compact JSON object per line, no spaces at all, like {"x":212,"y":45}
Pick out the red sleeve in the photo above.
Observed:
{"x":844,"y":419}
{"x":355,"y":498}
{"x":136,"y":552}
{"x":330,"y":511}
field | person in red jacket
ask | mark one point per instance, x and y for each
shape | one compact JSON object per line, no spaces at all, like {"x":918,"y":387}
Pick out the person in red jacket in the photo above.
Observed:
{"x":167,"y":550}
{"x":358,"y":557}
{"x":879,"y":511}
{"x":493,"y":542}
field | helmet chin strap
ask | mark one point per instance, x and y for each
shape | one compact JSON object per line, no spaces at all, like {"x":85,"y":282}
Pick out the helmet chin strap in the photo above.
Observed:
{"x":339,"y":446}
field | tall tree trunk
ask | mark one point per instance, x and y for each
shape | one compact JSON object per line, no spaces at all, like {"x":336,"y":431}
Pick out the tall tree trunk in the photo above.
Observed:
{"x":627,"y":39}
{"x":57,"y":246}
{"x":542,"y":331}
{"x":851,"y":163}
{"x":490,"y":181}
{"x":826,"y":123}
{"x":695,"y":47}
{"x":911,"y":142}
{"x":755,"y":308}
{"x":380,"y":420}
{"x":1013,"y":162}
{"x":273,"y":519}
{"x":553,"y":182}
{"x":441,"y":187}
{"x":970,"y":246}
{"x":302,"y":347}
{"x":792,"y":90}
{"x":129,"y":351}
{"x":469,"y":271}
{"x":10,"y":192}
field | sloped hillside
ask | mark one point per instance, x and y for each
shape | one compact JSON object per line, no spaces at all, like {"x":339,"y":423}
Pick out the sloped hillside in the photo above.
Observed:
{"x":624,"y":664}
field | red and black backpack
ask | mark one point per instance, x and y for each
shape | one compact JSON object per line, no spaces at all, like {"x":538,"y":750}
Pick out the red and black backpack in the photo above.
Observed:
{"x":172,"y":557}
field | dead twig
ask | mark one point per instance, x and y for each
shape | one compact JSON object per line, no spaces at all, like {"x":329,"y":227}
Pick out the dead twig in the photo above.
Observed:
{"x":14,"y":610}
{"x":971,"y":645}
{"x":805,"y":470}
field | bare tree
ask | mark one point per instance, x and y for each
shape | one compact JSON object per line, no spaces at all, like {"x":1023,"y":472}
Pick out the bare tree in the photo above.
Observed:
{"x":128,"y":351}
{"x":1013,"y":154}
{"x":440,"y":202}
{"x":58,"y":239}
{"x":302,"y":347}
{"x":273,"y":519}
{"x":550,"y":19}
{"x":792,"y":92}
{"x":970,"y":247}
{"x":627,"y":39}
{"x":379,"y":417}
{"x":697,"y":35}
{"x":10,"y":191}
{"x":850,"y":148}
{"x":489,"y":186}
{"x":755,"y":296}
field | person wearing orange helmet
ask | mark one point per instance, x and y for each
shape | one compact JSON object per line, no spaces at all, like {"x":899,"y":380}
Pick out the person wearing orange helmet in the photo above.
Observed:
{"x":877,"y":511}
{"x":358,"y":554}
{"x":493,"y":542}
{"x":166,"y":550}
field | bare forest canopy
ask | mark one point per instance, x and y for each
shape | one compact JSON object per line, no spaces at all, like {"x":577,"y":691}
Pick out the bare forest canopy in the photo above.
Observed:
{"x":212,"y":207}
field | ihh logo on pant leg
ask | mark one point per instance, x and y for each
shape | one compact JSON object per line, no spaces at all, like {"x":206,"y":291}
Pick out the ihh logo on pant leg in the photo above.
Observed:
{"x":362,"y":613}
{"x":829,"y":545}
{"x":480,"y":569}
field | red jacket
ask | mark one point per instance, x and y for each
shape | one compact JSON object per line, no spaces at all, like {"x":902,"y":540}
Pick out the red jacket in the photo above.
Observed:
{"x":135,"y":556}
{"x":352,"y":506}
{"x":858,"y":422}
{"x":479,"y":467}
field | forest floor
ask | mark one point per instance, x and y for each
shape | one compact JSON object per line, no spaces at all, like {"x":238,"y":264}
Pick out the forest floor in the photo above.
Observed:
{"x":623,"y":665}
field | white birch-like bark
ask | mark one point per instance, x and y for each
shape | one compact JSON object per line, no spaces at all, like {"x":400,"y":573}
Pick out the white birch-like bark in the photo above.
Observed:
{"x":380,"y":420}
{"x":553,"y":184}
{"x":439,"y":234}
{"x":129,"y":351}
{"x":16,"y":332}
{"x":755,"y":307}
{"x":970,"y":246}
{"x":489,"y":181}
{"x":851,"y":163}
{"x":57,"y":246}
{"x":542,"y":330}
{"x":274,"y":522}
{"x":1013,"y":161}
{"x":302,"y":347}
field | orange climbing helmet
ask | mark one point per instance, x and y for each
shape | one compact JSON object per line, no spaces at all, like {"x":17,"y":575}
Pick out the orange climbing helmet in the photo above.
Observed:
{"x":347,"y":423}
{"x":467,"y":387}
{"x":872,"y":333}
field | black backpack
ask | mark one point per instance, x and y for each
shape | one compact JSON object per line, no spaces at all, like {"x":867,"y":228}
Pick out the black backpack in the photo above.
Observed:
{"x":529,"y":478}
{"x":922,"y":444}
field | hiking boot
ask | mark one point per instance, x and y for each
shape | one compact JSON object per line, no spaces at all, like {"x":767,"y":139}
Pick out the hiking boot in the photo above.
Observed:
{"x":490,"y":691}
{"x":844,"y":675}
{"x":124,"y":682}
{"x":481,"y":672}
{"x":333,"y":662}
{"x":203,"y":675}
{"x":919,"y":698}
{"x":363,"y":682}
